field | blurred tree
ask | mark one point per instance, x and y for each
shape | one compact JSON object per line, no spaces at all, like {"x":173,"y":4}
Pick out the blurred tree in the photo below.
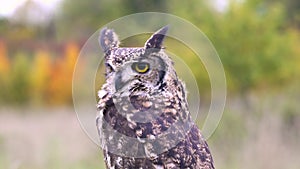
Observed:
{"x":78,"y":19}
{"x":4,"y":61}
{"x":40,"y":76}
{"x":60,"y":85}
{"x":30,"y":21}
{"x":19,"y":86}
{"x":4,"y":71}
{"x":135,"y":6}
{"x":248,"y":35}
{"x":4,"y":26}
{"x":292,"y":10}
{"x":31,"y":13}
{"x":249,"y":39}
{"x":257,"y":43}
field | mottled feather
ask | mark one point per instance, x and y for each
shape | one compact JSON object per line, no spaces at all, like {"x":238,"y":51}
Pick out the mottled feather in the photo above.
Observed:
{"x":143,"y":106}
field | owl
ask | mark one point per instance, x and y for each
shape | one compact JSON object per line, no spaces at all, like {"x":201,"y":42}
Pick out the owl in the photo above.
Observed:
{"x":143,"y":117}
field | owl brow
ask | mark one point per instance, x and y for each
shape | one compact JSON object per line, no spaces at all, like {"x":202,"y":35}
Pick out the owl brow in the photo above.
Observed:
{"x":162,"y":70}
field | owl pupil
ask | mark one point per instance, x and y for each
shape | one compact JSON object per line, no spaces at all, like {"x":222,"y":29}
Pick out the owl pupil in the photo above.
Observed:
{"x":140,"y":67}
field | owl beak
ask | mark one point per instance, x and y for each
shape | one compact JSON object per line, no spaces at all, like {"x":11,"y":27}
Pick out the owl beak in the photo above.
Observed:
{"x":122,"y":80}
{"x":119,"y":84}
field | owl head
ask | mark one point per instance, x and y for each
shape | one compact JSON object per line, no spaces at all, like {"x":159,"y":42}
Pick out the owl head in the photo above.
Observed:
{"x":138,"y":70}
{"x":142,"y":88}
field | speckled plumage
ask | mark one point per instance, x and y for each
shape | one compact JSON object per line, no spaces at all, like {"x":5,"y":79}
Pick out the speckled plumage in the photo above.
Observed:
{"x":143,"y":119}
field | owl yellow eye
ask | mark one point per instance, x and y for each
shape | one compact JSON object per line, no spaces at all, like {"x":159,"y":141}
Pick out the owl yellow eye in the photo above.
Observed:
{"x":140,"y":67}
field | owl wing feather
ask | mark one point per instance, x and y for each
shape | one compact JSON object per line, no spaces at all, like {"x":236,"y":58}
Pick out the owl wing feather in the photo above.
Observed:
{"x":192,"y":152}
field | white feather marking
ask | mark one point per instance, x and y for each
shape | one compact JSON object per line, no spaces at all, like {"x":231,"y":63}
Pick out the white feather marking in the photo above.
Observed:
{"x":119,"y":146}
{"x":141,"y":140}
{"x":101,"y":93}
{"x":158,"y":167}
{"x":119,"y":159}
{"x":109,"y":162}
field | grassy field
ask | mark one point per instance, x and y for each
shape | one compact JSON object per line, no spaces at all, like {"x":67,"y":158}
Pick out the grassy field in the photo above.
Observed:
{"x":254,"y":135}
{"x":40,"y":139}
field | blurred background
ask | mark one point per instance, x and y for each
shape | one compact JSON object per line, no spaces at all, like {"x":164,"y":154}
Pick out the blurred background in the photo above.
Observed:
{"x":258,"y":42}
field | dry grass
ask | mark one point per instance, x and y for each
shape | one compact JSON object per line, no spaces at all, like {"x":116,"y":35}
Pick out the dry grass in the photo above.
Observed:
{"x":45,"y":139}
{"x":259,"y":136}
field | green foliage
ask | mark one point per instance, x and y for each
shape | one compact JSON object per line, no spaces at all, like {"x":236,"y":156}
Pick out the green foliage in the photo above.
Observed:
{"x":79,"y":19}
{"x":256,"y":42}
{"x":249,"y":40}
{"x":19,"y":86}
{"x":251,"y":37}
{"x":3,"y":26}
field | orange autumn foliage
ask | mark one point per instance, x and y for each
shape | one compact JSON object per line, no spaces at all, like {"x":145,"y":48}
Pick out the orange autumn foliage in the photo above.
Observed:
{"x":40,"y":75}
{"x":60,"y":84}
{"x":4,"y":61}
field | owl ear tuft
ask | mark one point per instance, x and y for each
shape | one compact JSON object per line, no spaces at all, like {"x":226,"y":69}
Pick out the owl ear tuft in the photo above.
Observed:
{"x":108,"y":40}
{"x":156,"y":40}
